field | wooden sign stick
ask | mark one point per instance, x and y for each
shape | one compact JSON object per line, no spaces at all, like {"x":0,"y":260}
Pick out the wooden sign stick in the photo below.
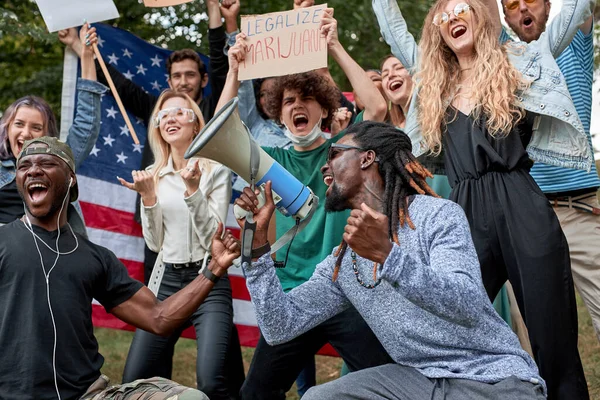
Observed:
{"x":115,"y":93}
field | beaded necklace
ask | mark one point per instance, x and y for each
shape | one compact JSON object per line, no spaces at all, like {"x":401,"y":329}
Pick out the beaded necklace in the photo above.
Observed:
{"x":357,"y":274}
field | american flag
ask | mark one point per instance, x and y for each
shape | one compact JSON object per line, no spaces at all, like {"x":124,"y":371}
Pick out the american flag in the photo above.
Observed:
{"x":108,"y":207}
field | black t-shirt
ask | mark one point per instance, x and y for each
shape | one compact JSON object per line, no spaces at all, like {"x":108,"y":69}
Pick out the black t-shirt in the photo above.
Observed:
{"x":26,"y":330}
{"x":11,"y":205}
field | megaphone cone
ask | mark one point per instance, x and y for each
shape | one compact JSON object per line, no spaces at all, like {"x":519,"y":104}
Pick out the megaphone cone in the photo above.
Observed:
{"x":226,"y":140}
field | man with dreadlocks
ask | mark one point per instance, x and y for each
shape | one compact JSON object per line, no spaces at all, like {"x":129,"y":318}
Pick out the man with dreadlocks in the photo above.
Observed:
{"x":407,"y":263}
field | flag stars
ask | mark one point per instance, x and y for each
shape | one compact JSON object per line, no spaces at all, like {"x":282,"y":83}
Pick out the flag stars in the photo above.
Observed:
{"x":141,"y":69}
{"x":127,"y":53}
{"x":100,"y":41}
{"x":128,"y":75}
{"x":156,"y":61}
{"x":108,"y":140}
{"x":112,"y":59}
{"x":111,"y":112}
{"x":139,"y":121}
{"x":124,"y":130}
{"x":138,"y":148}
{"x":121,"y":158}
{"x":156,"y":86}
{"x":95,"y":151}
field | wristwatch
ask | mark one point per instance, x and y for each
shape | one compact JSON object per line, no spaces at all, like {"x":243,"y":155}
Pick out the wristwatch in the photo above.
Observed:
{"x":210,"y":276}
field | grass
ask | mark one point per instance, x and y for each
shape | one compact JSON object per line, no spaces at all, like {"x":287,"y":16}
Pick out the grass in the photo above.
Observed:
{"x":114,"y":346}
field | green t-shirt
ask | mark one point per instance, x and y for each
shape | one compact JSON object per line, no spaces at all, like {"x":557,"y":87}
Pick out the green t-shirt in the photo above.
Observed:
{"x":324,"y":231}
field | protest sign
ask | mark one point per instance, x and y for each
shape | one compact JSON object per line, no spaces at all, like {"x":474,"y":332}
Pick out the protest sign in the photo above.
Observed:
{"x":63,"y":14}
{"x":164,"y":3}
{"x":283,"y":43}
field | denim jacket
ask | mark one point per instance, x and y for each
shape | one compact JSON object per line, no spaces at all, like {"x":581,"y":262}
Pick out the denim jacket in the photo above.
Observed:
{"x":558,"y":135}
{"x":82,"y":137}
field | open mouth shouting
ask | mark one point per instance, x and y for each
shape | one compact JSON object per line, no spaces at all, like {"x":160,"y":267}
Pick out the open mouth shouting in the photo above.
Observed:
{"x":37,"y":191}
{"x":527,"y":22}
{"x":300,"y":121}
{"x":395,"y":85}
{"x":458,"y":31}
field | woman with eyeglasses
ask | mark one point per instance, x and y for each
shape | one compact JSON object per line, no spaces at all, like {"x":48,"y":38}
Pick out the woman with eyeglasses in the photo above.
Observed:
{"x":182,"y":204}
{"x":31,"y":117}
{"x":491,"y":107}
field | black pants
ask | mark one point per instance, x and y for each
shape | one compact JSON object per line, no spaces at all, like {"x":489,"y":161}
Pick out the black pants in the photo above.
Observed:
{"x":274,"y":368}
{"x":518,"y":237}
{"x":219,"y":368}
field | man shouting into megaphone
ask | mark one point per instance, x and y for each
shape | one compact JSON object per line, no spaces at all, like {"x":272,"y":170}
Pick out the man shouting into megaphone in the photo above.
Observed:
{"x":407,"y":263}
{"x":304,"y":105}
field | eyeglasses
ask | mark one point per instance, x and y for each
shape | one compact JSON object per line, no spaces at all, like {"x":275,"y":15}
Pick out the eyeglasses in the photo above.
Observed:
{"x":459,"y":10}
{"x":335,"y":148}
{"x":514,"y":4}
{"x":179,"y":113}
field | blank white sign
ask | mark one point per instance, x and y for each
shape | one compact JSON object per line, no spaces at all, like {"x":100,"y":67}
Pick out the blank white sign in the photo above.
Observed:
{"x":63,"y":14}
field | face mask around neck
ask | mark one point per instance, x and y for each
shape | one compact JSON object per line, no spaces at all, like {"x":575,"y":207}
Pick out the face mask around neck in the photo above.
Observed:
{"x":304,"y":141}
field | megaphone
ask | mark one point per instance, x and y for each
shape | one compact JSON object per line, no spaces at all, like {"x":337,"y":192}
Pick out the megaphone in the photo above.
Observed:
{"x":226,"y":140}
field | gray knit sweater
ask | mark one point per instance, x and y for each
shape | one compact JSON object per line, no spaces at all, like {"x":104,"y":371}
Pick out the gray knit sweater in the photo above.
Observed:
{"x":430,"y":312}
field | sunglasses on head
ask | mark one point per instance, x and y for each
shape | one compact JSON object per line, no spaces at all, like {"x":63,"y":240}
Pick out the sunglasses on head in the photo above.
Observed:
{"x":459,"y":10}
{"x":512,"y":5}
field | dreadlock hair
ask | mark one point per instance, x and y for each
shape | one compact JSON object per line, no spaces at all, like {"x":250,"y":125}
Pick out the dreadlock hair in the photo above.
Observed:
{"x":400,"y":171}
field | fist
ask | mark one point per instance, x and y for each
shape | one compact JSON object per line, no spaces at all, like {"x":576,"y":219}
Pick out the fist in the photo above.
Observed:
{"x":224,"y":249}
{"x":230,"y":8}
{"x":340,"y":121}
{"x":366,"y":232}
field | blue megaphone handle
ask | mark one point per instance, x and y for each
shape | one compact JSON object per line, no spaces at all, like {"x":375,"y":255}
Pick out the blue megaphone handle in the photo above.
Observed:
{"x":292,"y":192}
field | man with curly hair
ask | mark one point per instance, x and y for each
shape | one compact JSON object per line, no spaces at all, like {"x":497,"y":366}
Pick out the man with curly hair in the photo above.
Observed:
{"x":305,"y":104}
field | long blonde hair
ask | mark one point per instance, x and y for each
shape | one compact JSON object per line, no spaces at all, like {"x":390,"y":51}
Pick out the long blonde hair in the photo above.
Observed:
{"x":161,"y":149}
{"x":496,"y":82}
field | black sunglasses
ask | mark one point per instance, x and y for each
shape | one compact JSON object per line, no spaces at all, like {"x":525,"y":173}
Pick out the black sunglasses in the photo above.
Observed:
{"x":334,"y":148}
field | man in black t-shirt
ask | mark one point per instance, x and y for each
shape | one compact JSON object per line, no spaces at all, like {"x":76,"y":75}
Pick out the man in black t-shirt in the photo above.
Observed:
{"x":46,"y":333}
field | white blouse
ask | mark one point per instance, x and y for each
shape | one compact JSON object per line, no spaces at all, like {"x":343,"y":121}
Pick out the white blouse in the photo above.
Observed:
{"x":182,"y":227}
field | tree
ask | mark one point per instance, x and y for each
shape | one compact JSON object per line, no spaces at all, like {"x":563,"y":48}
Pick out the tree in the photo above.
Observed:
{"x":31,"y":58}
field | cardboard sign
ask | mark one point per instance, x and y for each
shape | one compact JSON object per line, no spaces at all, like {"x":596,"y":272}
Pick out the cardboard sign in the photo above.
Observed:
{"x":283,"y":43}
{"x":164,"y":3}
{"x":63,"y":14}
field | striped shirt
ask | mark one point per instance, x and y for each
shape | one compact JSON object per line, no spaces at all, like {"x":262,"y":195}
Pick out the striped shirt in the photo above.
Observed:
{"x":577,"y":65}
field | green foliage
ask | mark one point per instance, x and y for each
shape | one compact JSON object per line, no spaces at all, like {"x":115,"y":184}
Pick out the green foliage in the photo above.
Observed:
{"x":31,"y":58}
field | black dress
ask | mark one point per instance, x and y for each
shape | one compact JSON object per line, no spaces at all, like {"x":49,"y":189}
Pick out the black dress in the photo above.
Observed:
{"x":518,"y":237}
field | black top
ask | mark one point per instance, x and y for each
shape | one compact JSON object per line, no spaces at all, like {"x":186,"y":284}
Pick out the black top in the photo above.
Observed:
{"x":11,"y":205}
{"x":470,"y":151}
{"x":26,"y":330}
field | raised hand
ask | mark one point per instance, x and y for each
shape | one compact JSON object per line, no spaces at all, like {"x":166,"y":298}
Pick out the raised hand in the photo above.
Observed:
{"x":224,"y":249}
{"x":87,"y":37}
{"x":237,"y":53}
{"x":303,"y":3}
{"x":230,"y":9}
{"x":143,"y":183}
{"x":69,"y":37}
{"x":328,"y":28}
{"x":191,"y":177}
{"x":341,"y":120}
{"x":366,"y":232}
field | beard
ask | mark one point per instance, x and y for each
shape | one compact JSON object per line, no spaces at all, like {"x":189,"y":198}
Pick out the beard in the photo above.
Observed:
{"x":335,"y":200}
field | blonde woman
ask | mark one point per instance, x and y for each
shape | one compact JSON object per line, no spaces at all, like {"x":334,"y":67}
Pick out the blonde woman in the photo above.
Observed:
{"x":491,"y":107}
{"x":182,"y":205}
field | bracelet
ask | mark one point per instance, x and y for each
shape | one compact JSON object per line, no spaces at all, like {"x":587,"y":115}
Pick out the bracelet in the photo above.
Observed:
{"x":259,"y":251}
{"x":208,"y":274}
